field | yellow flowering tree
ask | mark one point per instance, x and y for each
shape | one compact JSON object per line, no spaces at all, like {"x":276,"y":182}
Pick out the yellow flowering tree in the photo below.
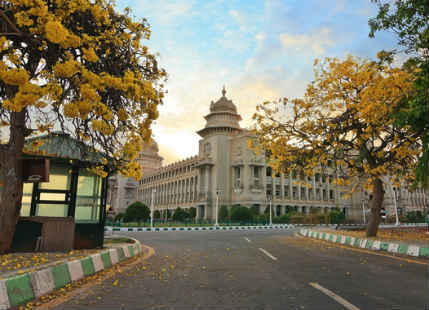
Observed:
{"x":344,"y":118}
{"x":78,"y":66}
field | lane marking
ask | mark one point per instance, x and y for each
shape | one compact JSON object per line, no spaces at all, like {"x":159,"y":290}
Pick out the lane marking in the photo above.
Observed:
{"x":247,"y":239}
{"x":334,"y":296}
{"x":268,"y":254}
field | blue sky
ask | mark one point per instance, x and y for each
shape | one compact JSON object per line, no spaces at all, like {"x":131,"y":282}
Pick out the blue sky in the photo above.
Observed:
{"x":260,"y":49}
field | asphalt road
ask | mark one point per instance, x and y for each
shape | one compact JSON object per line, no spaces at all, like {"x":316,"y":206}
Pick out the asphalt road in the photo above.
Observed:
{"x":257,"y":270}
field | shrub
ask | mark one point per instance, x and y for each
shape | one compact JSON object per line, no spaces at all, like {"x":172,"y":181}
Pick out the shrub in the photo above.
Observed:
{"x":192,"y":212}
{"x":415,"y":217}
{"x":157,"y":214}
{"x":241,"y":214}
{"x":223,"y":213}
{"x":137,"y":211}
{"x":296,"y":219}
{"x":336,"y":217}
{"x":284,"y":219}
{"x":180,"y":215}
{"x":119,"y":217}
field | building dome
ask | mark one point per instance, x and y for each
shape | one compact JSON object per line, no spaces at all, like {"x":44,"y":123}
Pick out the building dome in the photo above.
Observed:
{"x":223,"y":104}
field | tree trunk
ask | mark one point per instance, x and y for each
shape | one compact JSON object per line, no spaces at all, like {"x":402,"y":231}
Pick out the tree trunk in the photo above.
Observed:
{"x":375,"y":207}
{"x":11,"y":171}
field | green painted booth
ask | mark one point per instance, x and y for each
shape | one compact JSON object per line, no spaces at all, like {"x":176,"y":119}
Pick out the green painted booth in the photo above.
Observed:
{"x":69,"y":210}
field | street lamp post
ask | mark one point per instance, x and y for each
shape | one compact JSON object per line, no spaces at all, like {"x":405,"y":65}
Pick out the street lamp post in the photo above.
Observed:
{"x":151,"y":208}
{"x":396,"y":199}
{"x":363,"y":211}
{"x":218,"y":191}
{"x":269,"y":198}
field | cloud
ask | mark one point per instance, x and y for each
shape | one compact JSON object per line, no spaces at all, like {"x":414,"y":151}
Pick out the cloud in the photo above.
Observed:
{"x":318,"y":41}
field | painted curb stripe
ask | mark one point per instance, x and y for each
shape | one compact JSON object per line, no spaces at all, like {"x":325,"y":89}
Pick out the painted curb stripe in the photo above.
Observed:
{"x":4,"y":300}
{"x":42,"y":282}
{"x":97,"y":262}
{"x":87,"y":266}
{"x":75,"y":270}
{"x":105,"y":257}
{"x":61,"y":275}
{"x":411,"y":250}
{"x":19,"y":289}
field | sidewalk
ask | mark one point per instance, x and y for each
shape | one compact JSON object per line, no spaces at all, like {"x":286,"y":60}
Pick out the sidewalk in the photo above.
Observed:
{"x":18,"y":289}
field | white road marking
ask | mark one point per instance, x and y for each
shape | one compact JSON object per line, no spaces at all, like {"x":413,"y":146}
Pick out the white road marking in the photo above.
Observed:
{"x":268,"y":254}
{"x":247,"y":239}
{"x":334,"y":296}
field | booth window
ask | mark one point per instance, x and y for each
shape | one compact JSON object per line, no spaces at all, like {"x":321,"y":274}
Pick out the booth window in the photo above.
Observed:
{"x":88,"y":197}
{"x":27,"y":192}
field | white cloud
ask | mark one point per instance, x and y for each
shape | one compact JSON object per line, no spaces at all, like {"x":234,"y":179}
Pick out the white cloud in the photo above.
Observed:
{"x":317,"y":42}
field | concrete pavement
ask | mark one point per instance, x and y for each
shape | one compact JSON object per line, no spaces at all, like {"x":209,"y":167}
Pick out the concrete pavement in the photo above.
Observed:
{"x":257,"y":270}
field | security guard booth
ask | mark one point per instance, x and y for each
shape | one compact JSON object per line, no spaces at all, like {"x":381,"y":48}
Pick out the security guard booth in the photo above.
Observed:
{"x":63,"y":204}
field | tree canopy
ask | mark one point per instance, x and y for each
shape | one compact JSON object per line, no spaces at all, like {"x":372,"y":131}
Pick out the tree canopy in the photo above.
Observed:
{"x":78,"y":66}
{"x":344,"y":117}
{"x":137,"y":211}
{"x":409,"y":21}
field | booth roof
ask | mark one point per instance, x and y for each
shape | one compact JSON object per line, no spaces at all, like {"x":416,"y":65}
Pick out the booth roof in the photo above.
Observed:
{"x":61,"y":145}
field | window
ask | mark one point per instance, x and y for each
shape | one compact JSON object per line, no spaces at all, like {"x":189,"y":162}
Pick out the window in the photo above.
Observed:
{"x":88,"y":197}
{"x":325,"y":197}
{"x":237,"y":177}
{"x":323,"y":178}
{"x":278,"y":190}
{"x":269,"y":171}
{"x":303,"y":195}
{"x":331,"y":194}
{"x":293,"y":174}
{"x":294,"y":193}
{"x":317,"y":177}
{"x":256,"y":172}
{"x":286,"y":188}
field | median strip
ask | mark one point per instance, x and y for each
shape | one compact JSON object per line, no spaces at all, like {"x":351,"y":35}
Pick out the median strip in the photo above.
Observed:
{"x":368,"y":244}
{"x":201,"y":228}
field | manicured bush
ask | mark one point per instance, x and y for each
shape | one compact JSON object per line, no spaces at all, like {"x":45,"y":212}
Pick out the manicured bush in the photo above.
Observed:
{"x":415,"y":217}
{"x":336,"y":216}
{"x":137,"y":212}
{"x":284,"y":219}
{"x":119,"y":217}
{"x":157,"y":214}
{"x":180,"y":215}
{"x":223,"y":213}
{"x":241,"y":214}
{"x":192,"y":212}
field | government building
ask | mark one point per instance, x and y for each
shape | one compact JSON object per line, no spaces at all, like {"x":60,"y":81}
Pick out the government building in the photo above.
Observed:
{"x":227,"y":171}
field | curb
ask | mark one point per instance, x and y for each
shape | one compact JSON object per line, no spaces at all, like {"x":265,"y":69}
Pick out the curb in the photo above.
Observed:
{"x":278,"y":226}
{"x":208,"y":228}
{"x":376,"y":245}
{"x":17,"y":290}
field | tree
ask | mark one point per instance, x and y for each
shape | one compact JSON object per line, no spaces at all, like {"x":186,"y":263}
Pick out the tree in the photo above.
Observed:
{"x":409,"y":21}
{"x":345,"y":119}
{"x":157,"y":214}
{"x":78,"y":66}
{"x":223,"y":213}
{"x":137,"y":212}
{"x":119,"y":217}
{"x":180,"y":215}
{"x":192,"y":212}
{"x":241,"y":214}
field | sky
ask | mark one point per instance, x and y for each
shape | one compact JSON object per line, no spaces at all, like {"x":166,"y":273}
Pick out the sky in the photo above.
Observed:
{"x":261,"y":50}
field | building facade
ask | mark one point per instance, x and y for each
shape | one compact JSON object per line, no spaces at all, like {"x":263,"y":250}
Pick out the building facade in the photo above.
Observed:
{"x":123,"y":191}
{"x":226,"y":171}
